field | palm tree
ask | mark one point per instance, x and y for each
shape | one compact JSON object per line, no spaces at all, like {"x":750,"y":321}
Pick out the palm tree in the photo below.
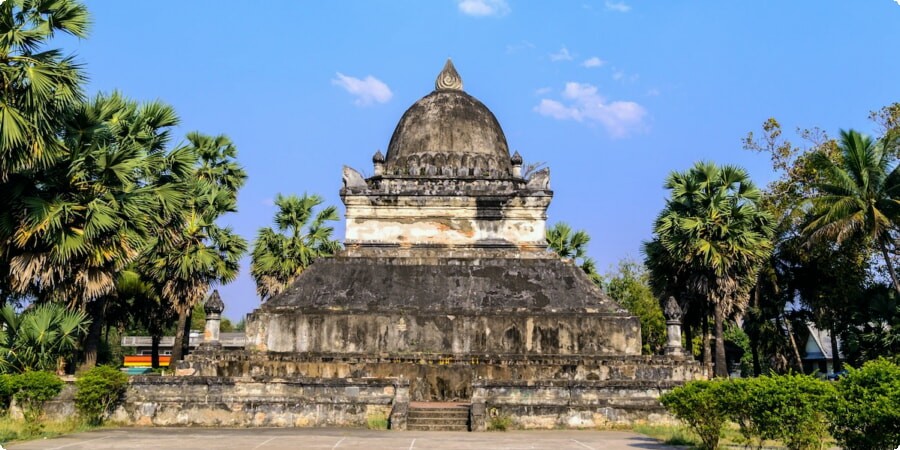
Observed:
{"x":281,"y":254}
{"x":193,"y":252}
{"x":37,"y":86}
{"x":572,"y":245}
{"x":39,"y":338}
{"x":714,"y":232}
{"x":95,"y":209}
{"x":859,"y":197}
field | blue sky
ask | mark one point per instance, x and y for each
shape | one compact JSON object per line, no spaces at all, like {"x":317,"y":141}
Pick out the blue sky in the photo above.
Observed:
{"x":611,"y":94}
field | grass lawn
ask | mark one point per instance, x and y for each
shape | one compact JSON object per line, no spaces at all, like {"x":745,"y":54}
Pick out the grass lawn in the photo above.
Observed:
{"x":682,"y":435}
{"x":16,"y":430}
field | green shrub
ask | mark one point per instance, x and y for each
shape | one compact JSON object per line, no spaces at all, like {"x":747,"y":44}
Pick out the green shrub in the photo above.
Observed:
{"x":31,"y":391}
{"x":6,"y":391}
{"x":99,"y":389}
{"x":790,"y":408}
{"x":865,"y":413}
{"x":697,"y":405}
{"x":498,"y":421}
{"x":377,"y":421}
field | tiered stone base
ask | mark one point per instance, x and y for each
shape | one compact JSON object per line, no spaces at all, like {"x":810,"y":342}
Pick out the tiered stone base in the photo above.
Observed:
{"x":255,"y":389}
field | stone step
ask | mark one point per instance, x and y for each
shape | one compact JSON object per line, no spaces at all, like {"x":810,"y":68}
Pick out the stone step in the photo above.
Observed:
{"x":438,"y":416}
{"x":438,"y":420}
{"x":441,"y":427}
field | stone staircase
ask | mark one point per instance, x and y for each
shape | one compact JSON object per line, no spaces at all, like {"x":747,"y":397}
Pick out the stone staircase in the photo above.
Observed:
{"x":434,"y":416}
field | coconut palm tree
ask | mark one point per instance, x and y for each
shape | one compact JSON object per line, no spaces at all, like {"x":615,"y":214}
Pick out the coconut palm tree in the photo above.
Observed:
{"x":569,"y":244}
{"x":860,"y":195}
{"x":301,"y":235}
{"x":714,"y":232}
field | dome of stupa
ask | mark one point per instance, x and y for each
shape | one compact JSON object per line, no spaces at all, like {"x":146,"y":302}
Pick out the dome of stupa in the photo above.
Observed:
{"x":448,"y":133}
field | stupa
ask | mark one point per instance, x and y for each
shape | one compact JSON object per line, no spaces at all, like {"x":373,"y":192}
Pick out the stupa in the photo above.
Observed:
{"x":445,"y":284}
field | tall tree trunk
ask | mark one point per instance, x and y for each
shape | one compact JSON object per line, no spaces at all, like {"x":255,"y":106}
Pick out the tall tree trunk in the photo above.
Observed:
{"x":889,"y":264}
{"x":794,"y":349}
{"x":689,"y":341}
{"x":96,"y":311}
{"x":836,"y":362}
{"x":707,"y":350}
{"x":178,"y":345}
{"x":754,"y":332}
{"x":154,"y":350}
{"x":721,"y":362}
{"x":186,"y":343}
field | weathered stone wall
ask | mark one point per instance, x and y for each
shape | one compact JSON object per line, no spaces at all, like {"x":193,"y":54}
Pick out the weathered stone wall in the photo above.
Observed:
{"x":265,"y":402}
{"x":436,"y":377}
{"x":564,"y":334}
{"x":515,"y":220}
{"x":569,"y":404}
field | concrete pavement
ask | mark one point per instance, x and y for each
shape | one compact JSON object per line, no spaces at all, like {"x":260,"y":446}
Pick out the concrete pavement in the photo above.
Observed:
{"x":337,"y":439}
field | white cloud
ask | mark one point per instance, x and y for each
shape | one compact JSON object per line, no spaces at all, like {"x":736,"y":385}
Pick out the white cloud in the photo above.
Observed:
{"x":543,"y":91}
{"x":582,"y":103}
{"x":655,"y":92}
{"x":562,"y":55}
{"x":593,"y":62}
{"x":484,"y":8}
{"x":618,"y":75}
{"x":367,"y":91}
{"x":619,"y":6}
{"x":515,"y":48}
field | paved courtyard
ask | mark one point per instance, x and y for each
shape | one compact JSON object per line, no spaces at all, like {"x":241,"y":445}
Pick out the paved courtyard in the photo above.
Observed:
{"x":334,"y":438}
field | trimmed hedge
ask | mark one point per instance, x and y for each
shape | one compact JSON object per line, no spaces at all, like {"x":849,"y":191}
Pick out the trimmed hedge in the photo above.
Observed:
{"x":865,"y":413}
{"x":99,"y":389}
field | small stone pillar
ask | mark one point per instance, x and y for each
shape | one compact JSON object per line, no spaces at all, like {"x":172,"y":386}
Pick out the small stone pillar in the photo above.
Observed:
{"x":213,"y":308}
{"x":378,"y":161}
{"x":516,"y":162}
{"x":673,"y":327}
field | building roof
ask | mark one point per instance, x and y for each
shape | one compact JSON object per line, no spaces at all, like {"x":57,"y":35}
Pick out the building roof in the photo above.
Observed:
{"x":448,"y":133}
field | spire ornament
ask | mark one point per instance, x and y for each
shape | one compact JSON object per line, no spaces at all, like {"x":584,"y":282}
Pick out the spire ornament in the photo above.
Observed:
{"x":448,"y":79}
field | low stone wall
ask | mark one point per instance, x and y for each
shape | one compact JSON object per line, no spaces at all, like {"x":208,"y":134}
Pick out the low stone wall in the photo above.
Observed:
{"x":569,"y":404}
{"x":228,"y":401}
{"x":437,"y":377}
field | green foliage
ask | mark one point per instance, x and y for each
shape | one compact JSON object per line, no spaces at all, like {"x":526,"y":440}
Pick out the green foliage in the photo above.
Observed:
{"x":788,"y":408}
{"x":711,"y":238}
{"x":498,"y":421}
{"x":300,"y":236}
{"x":569,"y":244}
{"x":99,"y":389}
{"x":377,"y":421}
{"x":865,"y":413}
{"x":629,"y":285}
{"x":6,"y":392}
{"x":737,"y":336}
{"x":39,"y":337}
{"x":31,"y":391}
{"x":698,"y":405}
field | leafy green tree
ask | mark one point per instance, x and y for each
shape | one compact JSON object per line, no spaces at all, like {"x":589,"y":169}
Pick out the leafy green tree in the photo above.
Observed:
{"x":40,"y":338}
{"x":301,"y":235}
{"x":859,"y":195}
{"x":714,"y":231}
{"x":629,"y":285}
{"x":569,"y":244}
